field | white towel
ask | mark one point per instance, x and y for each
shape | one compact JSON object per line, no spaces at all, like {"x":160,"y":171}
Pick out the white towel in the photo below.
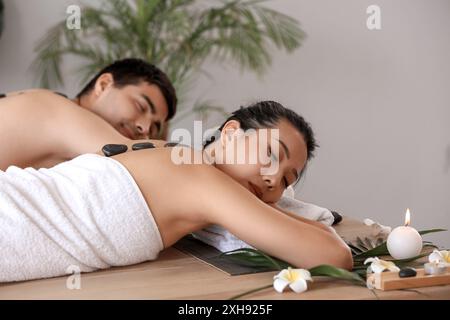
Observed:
{"x":224,"y":241}
{"x":84,"y":214}
{"x":379,"y":230}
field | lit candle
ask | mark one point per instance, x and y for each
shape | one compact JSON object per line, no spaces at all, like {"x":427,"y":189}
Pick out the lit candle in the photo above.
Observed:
{"x":435,"y":267}
{"x":404,"y":242}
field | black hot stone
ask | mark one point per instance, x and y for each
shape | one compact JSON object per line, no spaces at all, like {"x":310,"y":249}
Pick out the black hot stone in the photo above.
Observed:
{"x":142,"y":145}
{"x":407,"y":272}
{"x":2,"y":95}
{"x":171,"y":144}
{"x":113,"y":149}
{"x":337,"y":217}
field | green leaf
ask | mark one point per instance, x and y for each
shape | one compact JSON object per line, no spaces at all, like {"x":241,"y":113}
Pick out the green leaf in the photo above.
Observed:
{"x":322,"y":271}
{"x":431,"y":231}
{"x":255,"y":258}
{"x":337,"y":273}
{"x":250,"y":291}
{"x":403,"y":262}
{"x":380,"y":250}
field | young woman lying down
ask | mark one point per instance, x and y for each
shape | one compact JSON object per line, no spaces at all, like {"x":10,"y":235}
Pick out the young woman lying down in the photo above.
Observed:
{"x":95,"y":212}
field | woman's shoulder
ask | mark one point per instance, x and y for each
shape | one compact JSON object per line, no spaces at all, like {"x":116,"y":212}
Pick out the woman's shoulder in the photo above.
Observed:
{"x":175,"y":163}
{"x":190,"y":159}
{"x":171,"y":185}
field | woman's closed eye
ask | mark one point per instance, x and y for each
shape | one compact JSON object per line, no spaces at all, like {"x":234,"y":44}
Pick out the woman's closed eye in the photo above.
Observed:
{"x":270,"y":154}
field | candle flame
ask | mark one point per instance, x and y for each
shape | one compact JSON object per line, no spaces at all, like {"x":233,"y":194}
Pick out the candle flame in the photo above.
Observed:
{"x":407,"y":217}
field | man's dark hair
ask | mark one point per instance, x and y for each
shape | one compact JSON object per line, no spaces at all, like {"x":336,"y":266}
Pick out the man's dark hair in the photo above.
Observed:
{"x":133,"y":71}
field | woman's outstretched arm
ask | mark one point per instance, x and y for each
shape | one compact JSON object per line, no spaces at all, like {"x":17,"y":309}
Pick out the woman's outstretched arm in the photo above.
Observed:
{"x":299,"y":243}
{"x":317,"y":224}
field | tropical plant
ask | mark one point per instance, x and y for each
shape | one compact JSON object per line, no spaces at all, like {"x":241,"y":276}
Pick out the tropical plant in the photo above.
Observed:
{"x":176,"y":35}
{"x":361,"y":250}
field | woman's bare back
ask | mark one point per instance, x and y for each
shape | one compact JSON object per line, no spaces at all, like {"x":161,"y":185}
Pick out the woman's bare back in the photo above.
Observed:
{"x":184,"y":198}
{"x":167,"y":188}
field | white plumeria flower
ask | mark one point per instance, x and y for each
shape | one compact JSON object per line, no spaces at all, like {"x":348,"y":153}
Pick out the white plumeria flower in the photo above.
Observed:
{"x":378,"y":265}
{"x":442,"y":256}
{"x":295,"y":278}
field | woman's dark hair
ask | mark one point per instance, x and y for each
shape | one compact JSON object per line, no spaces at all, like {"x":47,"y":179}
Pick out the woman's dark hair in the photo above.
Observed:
{"x":133,"y":71}
{"x":266,"y":114}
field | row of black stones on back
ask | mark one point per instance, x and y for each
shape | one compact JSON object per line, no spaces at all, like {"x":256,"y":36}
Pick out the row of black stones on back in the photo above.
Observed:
{"x":110,"y":150}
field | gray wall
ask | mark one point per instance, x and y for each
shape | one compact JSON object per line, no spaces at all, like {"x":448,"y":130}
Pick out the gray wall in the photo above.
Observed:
{"x":25,"y":23}
{"x":378,"y":100}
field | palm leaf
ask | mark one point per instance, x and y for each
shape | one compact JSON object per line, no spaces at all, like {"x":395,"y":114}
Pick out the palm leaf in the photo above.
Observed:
{"x":178,"y":36}
{"x":431,"y":231}
{"x":337,"y":273}
{"x":255,"y":258}
{"x":404,"y":262}
{"x":380,"y":250}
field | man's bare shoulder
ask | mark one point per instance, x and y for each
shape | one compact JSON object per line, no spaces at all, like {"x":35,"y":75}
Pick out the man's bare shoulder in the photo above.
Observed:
{"x":65,"y":129}
{"x":25,"y":91}
{"x":37,"y":100}
{"x":49,"y":96}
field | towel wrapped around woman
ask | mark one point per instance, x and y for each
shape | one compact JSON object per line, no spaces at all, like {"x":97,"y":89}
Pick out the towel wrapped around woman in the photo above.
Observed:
{"x":86,"y":213}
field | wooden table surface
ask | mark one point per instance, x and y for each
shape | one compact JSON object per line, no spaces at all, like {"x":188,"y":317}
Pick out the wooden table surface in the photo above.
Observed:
{"x":176,"y":275}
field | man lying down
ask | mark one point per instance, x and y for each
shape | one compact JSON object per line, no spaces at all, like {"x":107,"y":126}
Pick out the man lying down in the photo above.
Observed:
{"x":95,"y":212}
{"x":127,"y":100}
